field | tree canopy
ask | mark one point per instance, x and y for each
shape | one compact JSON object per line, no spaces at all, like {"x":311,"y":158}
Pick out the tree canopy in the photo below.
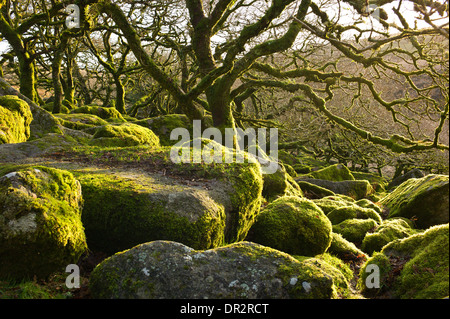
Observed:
{"x":342,"y":78}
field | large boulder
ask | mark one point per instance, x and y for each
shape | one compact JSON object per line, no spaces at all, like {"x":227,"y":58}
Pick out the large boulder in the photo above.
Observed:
{"x":36,"y":150}
{"x":354,"y":230}
{"x":389,"y":230}
{"x":329,"y":203}
{"x":293,"y":225}
{"x":80,"y":121}
{"x":414,"y":173}
{"x":336,"y":173}
{"x":415,"y":267}
{"x":123,"y":135}
{"x":340,"y":214}
{"x":425,"y":200}
{"x":15,"y":120}
{"x":40,"y":221}
{"x":107,"y":113}
{"x":312,"y":191}
{"x":280,"y":183}
{"x":207,"y":209}
{"x":163,"y":269}
{"x":356,"y":189}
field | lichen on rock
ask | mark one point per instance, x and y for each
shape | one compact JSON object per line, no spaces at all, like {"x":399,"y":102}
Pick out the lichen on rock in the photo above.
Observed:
{"x":342,"y":213}
{"x":40,"y":221}
{"x":244,"y":270}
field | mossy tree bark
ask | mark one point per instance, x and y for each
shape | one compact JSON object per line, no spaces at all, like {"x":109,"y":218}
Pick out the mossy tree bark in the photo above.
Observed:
{"x":25,"y":58}
{"x":56,"y":72}
{"x":215,"y":81}
{"x":117,"y":68}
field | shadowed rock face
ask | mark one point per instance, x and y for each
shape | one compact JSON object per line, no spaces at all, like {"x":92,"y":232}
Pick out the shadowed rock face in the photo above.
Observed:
{"x":163,"y":269}
{"x":125,"y":208}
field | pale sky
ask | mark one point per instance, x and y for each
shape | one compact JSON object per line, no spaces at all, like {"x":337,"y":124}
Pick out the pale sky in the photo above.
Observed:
{"x":349,"y":16}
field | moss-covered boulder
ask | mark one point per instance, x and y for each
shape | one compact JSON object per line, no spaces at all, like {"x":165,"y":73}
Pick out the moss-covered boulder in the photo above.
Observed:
{"x":36,"y":150}
{"x":124,"y":208}
{"x":414,"y":173}
{"x":80,"y":121}
{"x":366,"y":203}
{"x":280,"y":183}
{"x":354,"y":230}
{"x":336,"y":173}
{"x":357,"y":189}
{"x":312,"y":191}
{"x":337,"y":269}
{"x":241,"y":270}
{"x":293,"y":225}
{"x":379,"y":183}
{"x":107,"y":113}
{"x":415,"y":267}
{"x":163,"y":125}
{"x":389,"y":230}
{"x":15,"y":120}
{"x":344,"y":249}
{"x":123,"y":135}
{"x":426,"y":200}
{"x":330,"y":203}
{"x":40,"y":221}
{"x":342,"y":213}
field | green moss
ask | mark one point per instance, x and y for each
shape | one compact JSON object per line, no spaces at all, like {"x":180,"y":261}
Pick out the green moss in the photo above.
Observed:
{"x":302,"y":169}
{"x":333,"y":267}
{"x":163,"y":126}
{"x":384,"y":267}
{"x":123,"y":135}
{"x":290,"y":170}
{"x":340,"y":214}
{"x":424,"y":199}
{"x":369,"y":204}
{"x":423,"y":272}
{"x":337,"y":172}
{"x":53,"y":288}
{"x":293,"y":225}
{"x":313,"y":191}
{"x":354,"y":230}
{"x":122,"y":212}
{"x":287,"y":158}
{"x":378,"y":182}
{"x":80,"y":121}
{"x":330,"y":203}
{"x":280,"y":183}
{"x":245,"y":178}
{"x":40,"y":224}
{"x":107,"y":113}
{"x":345,"y":249}
{"x":15,"y":120}
{"x":388,"y":231}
